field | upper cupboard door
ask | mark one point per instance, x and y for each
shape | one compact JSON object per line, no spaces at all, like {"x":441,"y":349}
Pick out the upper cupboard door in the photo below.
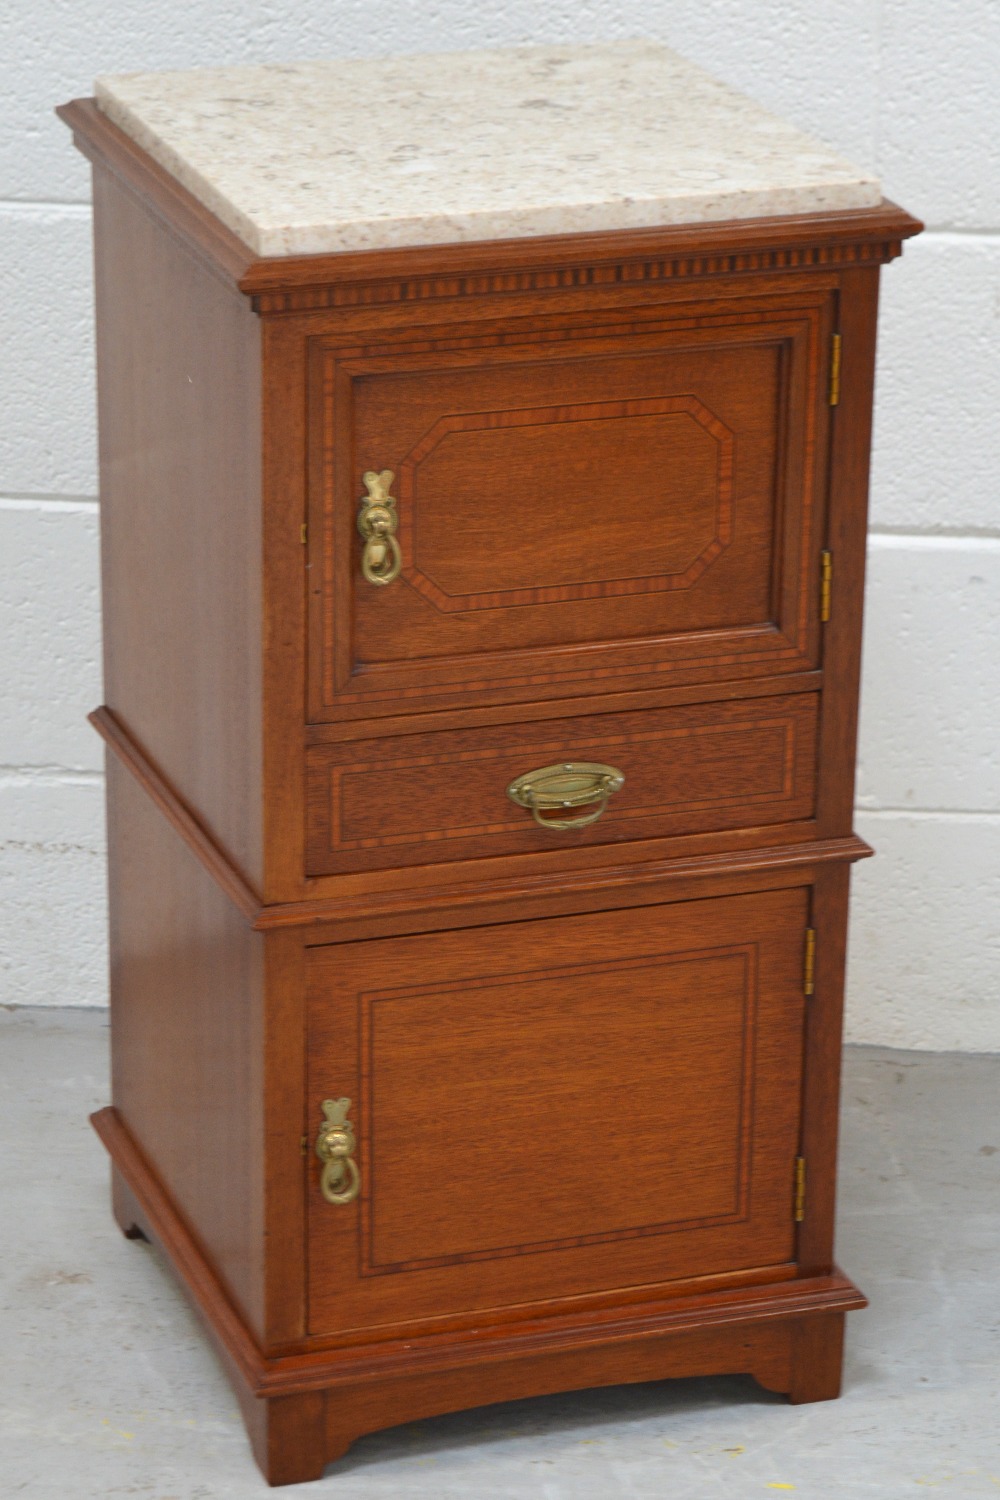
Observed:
{"x":574,"y":509}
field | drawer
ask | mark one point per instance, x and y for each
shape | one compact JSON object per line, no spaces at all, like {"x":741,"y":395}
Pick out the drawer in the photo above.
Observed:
{"x":426,"y":798}
{"x":555,"y":1108}
{"x":575,"y":509}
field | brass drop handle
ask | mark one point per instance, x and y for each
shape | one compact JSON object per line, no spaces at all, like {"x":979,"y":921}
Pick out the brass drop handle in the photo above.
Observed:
{"x":381,"y":559}
{"x":340,"y":1179}
{"x":572,"y":783}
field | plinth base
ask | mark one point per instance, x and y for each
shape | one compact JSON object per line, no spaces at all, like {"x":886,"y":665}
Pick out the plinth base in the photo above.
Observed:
{"x":304,"y":1410}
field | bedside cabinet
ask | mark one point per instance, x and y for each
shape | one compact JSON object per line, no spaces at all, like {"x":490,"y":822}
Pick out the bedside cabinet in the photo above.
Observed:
{"x":483,"y":504}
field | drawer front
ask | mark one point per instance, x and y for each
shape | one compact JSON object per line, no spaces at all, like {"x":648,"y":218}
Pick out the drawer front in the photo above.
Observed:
{"x":427,"y":798}
{"x":640,"y":505}
{"x":556,"y":1108}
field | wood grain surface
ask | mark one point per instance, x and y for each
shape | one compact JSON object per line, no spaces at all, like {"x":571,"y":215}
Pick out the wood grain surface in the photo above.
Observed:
{"x":179,"y":392}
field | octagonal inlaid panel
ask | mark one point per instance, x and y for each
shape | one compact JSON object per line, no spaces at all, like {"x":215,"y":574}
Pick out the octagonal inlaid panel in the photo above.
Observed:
{"x":656,"y":473}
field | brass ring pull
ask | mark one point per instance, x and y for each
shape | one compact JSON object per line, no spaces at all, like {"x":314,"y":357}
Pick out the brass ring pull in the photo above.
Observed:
{"x":381,"y":560}
{"x":340,"y":1180}
{"x":331,"y":1183}
{"x":578,"y":783}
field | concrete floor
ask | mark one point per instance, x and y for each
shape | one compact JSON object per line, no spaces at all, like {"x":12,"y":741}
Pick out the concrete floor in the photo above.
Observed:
{"x":110,"y":1389}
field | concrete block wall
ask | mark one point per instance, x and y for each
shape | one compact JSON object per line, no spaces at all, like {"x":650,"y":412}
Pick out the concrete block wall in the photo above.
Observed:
{"x":905,"y":86}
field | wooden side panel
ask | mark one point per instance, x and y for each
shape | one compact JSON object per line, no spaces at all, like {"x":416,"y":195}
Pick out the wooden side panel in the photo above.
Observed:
{"x":188,"y":1079}
{"x":179,"y":401}
{"x":846,"y":534}
{"x":821,"y":1099}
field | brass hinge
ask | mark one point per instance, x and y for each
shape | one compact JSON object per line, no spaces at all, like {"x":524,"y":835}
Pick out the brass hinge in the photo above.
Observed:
{"x":800,"y":1189}
{"x":825,"y":584}
{"x":303,"y":533}
{"x":809,"y":962}
{"x":304,"y":1145}
{"x":833,"y":394}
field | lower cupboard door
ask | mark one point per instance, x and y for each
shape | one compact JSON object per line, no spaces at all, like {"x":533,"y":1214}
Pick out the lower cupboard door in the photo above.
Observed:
{"x":554,"y":1109}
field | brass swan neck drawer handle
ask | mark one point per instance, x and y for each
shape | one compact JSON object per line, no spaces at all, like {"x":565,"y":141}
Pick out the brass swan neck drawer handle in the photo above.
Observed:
{"x":572,"y":783}
{"x":340,"y":1179}
{"x":381,"y":560}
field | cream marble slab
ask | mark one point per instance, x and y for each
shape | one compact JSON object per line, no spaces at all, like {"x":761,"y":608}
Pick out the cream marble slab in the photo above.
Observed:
{"x":311,"y":157}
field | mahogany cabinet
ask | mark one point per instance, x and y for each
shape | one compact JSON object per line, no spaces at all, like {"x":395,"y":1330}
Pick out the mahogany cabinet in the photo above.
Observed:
{"x":434,"y":1097}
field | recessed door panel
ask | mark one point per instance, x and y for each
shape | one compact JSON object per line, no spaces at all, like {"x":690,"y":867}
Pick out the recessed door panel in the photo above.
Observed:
{"x":556,"y":1108}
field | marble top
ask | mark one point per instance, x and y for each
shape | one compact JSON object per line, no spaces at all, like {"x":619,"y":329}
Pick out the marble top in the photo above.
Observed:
{"x":312,"y":157}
